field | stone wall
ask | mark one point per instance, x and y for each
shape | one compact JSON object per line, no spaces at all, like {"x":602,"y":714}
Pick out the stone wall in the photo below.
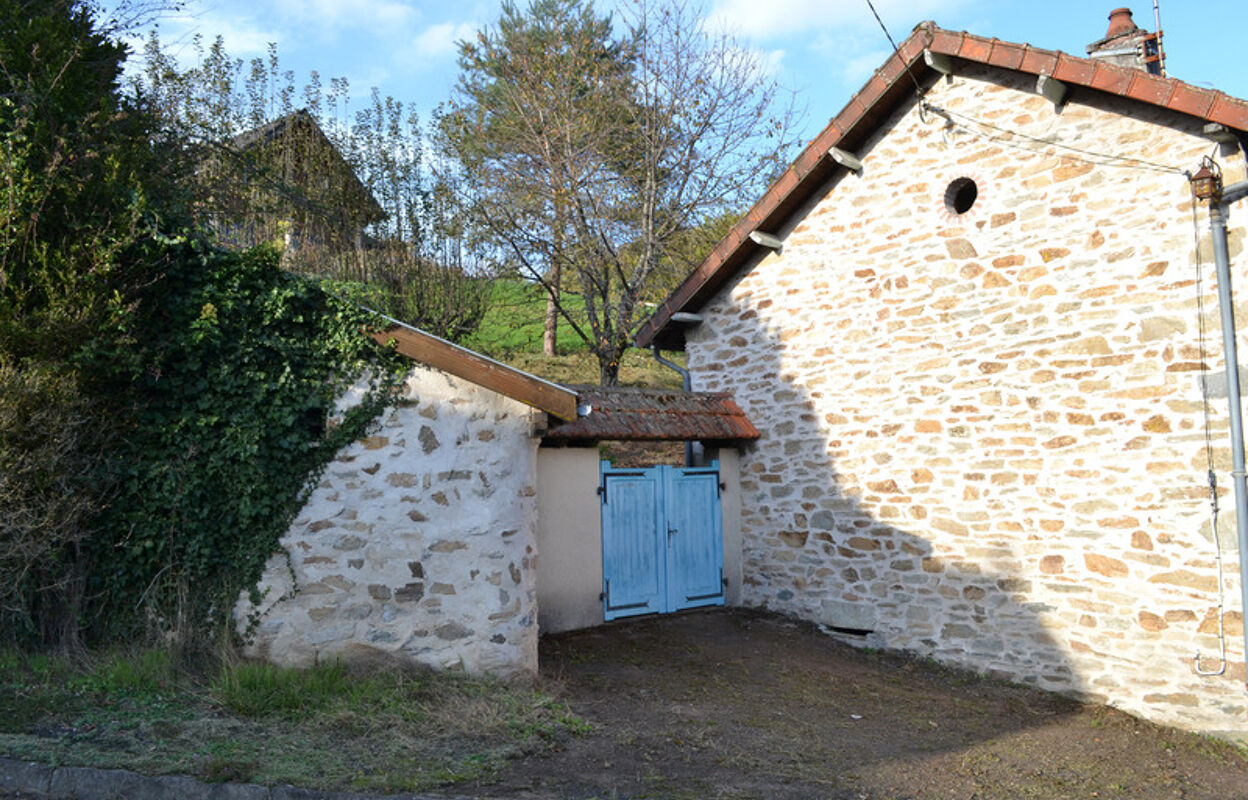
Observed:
{"x":419,"y":541}
{"x":983,"y":435}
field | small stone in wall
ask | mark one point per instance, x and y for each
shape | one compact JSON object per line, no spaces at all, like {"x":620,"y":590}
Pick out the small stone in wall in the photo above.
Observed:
{"x":357,"y":611}
{"x":442,"y":588}
{"x":355,"y":563}
{"x":349,"y":543}
{"x":378,"y":591}
{"x":498,"y":638}
{"x":410,"y":593}
{"x":515,"y":573}
{"x":428,"y":440}
{"x":1104,"y":565}
{"x":451,"y":631}
{"x":416,"y":568}
{"x":447,"y":546}
{"x":794,"y":538}
{"x":416,"y":516}
{"x":1052,"y":565}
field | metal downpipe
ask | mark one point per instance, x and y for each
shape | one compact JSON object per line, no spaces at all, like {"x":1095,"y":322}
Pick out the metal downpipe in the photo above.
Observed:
{"x":1226,"y":307}
{"x":686,"y":383}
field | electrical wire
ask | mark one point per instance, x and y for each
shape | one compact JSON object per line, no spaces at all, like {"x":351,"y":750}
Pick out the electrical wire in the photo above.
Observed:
{"x":1202,"y":335}
{"x":1103,"y":159}
{"x":918,"y":89}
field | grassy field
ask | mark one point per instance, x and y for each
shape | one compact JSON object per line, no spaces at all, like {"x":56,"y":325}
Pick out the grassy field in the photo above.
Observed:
{"x":511,"y":332}
{"x":388,"y":728}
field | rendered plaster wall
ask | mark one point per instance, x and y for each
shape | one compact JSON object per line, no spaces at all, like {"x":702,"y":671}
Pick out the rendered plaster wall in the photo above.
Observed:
{"x":419,"y":541}
{"x":569,"y":539}
{"x":983,"y":434}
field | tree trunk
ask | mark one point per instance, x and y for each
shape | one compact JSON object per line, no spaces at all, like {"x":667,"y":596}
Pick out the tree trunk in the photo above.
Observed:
{"x":550,"y":336}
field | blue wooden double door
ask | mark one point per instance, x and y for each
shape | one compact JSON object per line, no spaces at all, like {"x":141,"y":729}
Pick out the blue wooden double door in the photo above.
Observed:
{"x":662,"y":539}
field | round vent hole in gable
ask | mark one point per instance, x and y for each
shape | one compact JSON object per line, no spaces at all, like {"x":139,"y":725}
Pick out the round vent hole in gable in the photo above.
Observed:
{"x":961,"y":195}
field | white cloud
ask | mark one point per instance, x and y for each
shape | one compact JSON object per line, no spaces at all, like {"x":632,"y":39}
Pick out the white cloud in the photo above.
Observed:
{"x":858,"y":69}
{"x":382,"y":17}
{"x":780,"y":19}
{"x":244,"y":37}
{"x":439,"y":41}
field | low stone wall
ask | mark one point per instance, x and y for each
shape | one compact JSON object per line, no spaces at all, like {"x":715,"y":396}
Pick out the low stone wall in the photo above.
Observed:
{"x":983,"y":434}
{"x":419,"y":541}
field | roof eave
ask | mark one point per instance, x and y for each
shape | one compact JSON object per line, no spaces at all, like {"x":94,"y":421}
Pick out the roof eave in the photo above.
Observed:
{"x":888,"y":86}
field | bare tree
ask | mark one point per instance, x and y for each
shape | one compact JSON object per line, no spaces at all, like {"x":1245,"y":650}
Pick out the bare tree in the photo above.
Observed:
{"x":618,"y":165}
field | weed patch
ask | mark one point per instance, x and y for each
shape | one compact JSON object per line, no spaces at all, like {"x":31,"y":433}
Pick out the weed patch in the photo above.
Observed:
{"x":385,"y":728}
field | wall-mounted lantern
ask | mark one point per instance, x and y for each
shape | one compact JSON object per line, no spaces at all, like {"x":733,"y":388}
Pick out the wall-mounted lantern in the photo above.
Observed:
{"x":1207,"y":182}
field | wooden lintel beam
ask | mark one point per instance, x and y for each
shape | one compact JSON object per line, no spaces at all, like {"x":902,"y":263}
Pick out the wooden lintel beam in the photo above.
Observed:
{"x":939,"y":62}
{"x":846,"y":159}
{"x":1053,"y":90}
{"x":474,"y":367}
{"x":766,"y":240}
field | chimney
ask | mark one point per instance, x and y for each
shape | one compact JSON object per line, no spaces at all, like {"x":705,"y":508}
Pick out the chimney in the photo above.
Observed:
{"x":1128,"y":45}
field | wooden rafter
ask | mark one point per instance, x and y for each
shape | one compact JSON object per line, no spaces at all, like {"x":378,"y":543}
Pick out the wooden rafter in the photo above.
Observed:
{"x":463,"y":363}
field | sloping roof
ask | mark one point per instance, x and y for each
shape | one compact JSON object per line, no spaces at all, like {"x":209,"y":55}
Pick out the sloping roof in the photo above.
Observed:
{"x":289,"y":125}
{"x":471,"y":366}
{"x":872,"y":104}
{"x":629,"y":414}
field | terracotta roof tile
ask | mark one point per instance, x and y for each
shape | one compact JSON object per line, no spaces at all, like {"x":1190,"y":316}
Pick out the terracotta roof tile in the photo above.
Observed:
{"x":1074,"y":70}
{"x":1190,"y":100}
{"x":1006,"y":54}
{"x":1229,"y":112}
{"x":1111,"y":78}
{"x":1147,"y":88}
{"x":944,"y":41}
{"x":975,"y":49}
{"x":1039,"y":62}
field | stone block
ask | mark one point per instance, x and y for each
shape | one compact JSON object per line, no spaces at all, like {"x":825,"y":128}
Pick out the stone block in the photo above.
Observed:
{"x":841,"y":614}
{"x":17,"y":775}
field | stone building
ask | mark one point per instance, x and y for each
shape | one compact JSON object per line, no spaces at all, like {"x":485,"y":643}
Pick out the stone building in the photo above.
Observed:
{"x":451,"y":537}
{"x":971,"y":323}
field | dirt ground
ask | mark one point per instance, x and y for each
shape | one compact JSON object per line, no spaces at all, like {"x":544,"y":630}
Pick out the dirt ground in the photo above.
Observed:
{"x":738,"y":704}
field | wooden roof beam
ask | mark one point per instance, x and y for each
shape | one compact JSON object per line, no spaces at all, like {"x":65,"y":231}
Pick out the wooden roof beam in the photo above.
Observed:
{"x":476,"y":368}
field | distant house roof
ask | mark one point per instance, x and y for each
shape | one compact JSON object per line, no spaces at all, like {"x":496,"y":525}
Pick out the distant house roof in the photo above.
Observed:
{"x":630,"y":414}
{"x":871,"y":106}
{"x":471,"y":366}
{"x":301,"y":121}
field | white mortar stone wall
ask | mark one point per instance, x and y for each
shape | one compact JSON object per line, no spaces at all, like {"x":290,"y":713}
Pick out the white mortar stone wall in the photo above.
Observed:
{"x":419,"y":541}
{"x":983,"y":435}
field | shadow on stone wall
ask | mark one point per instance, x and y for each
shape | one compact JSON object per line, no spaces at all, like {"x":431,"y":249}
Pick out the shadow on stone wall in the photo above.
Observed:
{"x":880,"y":558}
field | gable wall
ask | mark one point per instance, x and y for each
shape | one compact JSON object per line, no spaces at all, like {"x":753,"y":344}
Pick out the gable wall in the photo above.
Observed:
{"x":983,"y":435}
{"x":419,"y":542}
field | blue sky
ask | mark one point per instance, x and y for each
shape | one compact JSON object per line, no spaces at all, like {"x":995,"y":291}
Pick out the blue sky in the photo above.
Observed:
{"x":823,"y":49}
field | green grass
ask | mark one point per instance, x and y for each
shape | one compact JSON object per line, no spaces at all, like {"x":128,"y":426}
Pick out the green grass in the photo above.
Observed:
{"x":387,"y":727}
{"x":516,"y":319}
{"x":511,"y":332}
